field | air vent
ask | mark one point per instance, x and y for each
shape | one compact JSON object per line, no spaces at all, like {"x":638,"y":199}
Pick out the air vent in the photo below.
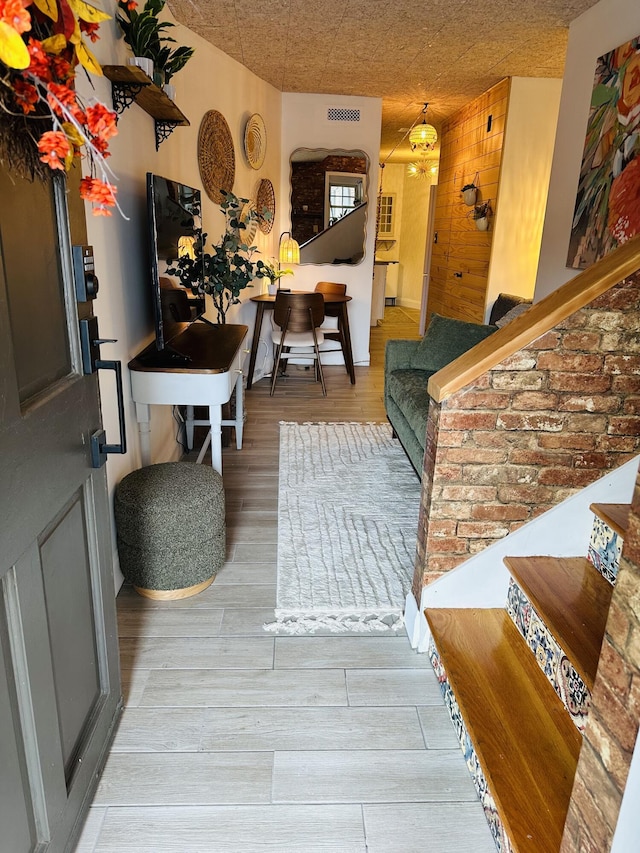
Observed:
{"x":342,"y":114}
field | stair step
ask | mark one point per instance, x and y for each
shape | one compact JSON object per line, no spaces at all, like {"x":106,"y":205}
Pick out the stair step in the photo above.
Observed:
{"x":607,"y":534}
{"x":615,"y":515}
{"x":523,"y":738}
{"x":572,"y":599}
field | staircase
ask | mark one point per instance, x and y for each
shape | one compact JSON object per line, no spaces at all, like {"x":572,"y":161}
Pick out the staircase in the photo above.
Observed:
{"x":517,"y":682}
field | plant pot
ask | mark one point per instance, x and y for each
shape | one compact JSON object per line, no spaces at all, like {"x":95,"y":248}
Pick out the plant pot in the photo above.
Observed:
{"x":469,"y":196}
{"x":482,"y":224}
{"x":170,"y":91}
{"x":144,"y":63}
{"x":158,"y":77}
{"x":273,"y":289}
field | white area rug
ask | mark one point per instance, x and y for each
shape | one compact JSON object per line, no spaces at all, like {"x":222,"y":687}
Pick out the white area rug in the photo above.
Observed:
{"x":347,"y":521}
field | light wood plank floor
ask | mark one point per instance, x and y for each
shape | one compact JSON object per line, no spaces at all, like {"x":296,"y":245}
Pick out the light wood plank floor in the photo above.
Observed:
{"x":237,"y":741}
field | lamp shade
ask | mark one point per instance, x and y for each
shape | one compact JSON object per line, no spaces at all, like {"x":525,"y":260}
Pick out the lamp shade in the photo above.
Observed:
{"x":423,"y":137}
{"x":289,"y":249}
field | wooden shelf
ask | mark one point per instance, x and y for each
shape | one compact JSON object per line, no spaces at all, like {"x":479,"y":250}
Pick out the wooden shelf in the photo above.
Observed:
{"x":131,"y":85}
{"x":615,"y":515}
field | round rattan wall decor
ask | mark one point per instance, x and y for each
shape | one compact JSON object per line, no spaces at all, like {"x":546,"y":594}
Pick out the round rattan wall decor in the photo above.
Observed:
{"x":255,"y":141}
{"x":216,"y":157}
{"x":265,"y":201}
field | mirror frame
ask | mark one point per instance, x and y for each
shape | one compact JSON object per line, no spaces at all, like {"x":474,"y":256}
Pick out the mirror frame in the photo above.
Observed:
{"x":321,"y":154}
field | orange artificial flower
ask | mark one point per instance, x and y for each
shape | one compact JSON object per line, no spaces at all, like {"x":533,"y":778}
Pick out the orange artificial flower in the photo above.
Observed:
{"x":26,"y":95}
{"x":98,"y":193}
{"x":55,"y":149}
{"x":13,"y":12}
{"x":101,"y":122}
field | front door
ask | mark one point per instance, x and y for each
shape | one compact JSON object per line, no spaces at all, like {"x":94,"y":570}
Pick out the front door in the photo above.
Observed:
{"x":59,"y":677}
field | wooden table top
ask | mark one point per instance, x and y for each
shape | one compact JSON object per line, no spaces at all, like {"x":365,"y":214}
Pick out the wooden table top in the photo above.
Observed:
{"x":335,"y":298}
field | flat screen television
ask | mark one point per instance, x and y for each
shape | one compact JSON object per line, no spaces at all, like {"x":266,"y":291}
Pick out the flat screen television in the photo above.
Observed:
{"x":175,"y":226}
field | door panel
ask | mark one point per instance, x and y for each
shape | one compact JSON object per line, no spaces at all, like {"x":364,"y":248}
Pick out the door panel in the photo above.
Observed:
{"x":67,"y":588}
{"x":57,"y":600}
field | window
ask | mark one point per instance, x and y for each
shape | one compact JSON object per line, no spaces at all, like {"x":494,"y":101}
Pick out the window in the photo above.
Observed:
{"x":343,"y":193}
{"x":386,"y":215}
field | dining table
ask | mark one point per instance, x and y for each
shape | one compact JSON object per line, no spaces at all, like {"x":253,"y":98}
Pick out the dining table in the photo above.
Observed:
{"x":338,"y":301}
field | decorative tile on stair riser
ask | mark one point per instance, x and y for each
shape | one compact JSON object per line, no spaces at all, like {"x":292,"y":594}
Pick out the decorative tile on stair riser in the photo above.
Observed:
{"x":488,"y":804}
{"x":605,"y":549}
{"x":551,"y":659}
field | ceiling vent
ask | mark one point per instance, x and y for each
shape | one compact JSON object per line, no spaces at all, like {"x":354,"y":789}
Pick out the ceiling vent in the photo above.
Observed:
{"x":342,"y":114}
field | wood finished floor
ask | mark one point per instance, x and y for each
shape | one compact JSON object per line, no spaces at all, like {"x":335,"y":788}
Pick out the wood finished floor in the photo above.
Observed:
{"x":237,"y":741}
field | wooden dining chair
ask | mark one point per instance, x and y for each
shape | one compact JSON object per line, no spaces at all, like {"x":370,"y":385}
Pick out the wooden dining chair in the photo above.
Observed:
{"x":297,"y":318}
{"x":331,"y":328}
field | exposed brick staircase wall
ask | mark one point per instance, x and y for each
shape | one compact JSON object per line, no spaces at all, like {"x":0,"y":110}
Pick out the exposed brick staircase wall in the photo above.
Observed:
{"x":531,"y":431}
{"x":612,"y":726}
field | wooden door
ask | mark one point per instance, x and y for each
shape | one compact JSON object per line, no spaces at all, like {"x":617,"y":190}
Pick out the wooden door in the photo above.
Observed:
{"x":59,"y":679}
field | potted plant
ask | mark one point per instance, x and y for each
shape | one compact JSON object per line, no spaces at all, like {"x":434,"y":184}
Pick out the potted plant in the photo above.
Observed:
{"x":480,"y":214}
{"x":145,"y":35}
{"x":469,"y":194}
{"x":271,"y":270}
{"x":224,"y":272}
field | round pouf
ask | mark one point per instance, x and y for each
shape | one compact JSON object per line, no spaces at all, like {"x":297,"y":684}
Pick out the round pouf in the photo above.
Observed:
{"x":170,"y":528}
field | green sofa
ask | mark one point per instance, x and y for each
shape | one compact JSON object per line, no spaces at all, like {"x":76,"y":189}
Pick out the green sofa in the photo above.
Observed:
{"x":407,"y":368}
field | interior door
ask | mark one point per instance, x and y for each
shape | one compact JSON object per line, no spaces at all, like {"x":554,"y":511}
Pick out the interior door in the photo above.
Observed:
{"x":59,"y":678}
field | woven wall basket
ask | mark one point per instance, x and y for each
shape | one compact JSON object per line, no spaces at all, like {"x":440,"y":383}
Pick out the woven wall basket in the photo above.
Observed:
{"x":216,"y":157}
{"x":265,"y":200}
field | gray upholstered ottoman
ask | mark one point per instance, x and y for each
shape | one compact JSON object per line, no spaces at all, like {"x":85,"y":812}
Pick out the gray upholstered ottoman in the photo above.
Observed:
{"x":170,"y":528}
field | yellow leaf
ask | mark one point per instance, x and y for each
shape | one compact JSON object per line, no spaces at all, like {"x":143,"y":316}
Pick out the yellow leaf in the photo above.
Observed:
{"x":54,"y":44}
{"x":87,"y":12}
{"x":48,"y":8}
{"x":87,"y":59}
{"x":13,"y":51}
{"x":73,"y":135}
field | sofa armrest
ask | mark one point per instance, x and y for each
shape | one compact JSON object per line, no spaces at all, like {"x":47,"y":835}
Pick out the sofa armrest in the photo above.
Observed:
{"x":398,"y":354}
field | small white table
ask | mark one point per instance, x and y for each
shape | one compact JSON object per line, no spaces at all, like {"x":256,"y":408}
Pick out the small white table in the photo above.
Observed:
{"x":213,"y":371}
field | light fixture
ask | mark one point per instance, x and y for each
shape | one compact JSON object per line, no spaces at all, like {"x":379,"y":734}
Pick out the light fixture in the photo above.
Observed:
{"x":423,"y":137}
{"x":288,"y":249}
{"x":420,"y":169}
{"x":187,"y":247}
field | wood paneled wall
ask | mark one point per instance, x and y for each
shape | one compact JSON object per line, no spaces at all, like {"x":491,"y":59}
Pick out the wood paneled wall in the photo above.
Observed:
{"x":471,"y":151}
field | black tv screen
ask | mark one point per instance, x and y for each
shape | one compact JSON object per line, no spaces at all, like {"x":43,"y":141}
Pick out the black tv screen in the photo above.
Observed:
{"x":175,"y":226}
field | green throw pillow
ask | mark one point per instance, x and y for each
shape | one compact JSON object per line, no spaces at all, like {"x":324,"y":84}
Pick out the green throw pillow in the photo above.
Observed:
{"x":446,"y":339}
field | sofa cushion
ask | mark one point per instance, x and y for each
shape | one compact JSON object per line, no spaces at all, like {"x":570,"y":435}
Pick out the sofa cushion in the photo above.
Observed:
{"x":446,"y":339}
{"x":408,"y":389}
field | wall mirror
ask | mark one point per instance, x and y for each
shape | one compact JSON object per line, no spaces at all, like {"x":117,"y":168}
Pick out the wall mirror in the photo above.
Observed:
{"x":329,"y":201}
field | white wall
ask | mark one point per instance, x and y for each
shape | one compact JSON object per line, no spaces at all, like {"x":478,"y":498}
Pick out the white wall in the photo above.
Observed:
{"x":602,"y":28}
{"x":211,"y":80}
{"x":305,"y":125}
{"x":524,"y":181}
{"x":413,"y":236}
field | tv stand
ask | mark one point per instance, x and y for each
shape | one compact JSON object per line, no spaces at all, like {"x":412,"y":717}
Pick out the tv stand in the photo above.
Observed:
{"x":209,"y":378}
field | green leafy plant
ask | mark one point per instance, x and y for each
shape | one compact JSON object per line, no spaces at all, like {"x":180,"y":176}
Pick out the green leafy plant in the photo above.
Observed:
{"x":146,"y":36}
{"x":482,"y":210}
{"x":470,"y":186}
{"x":228,"y":269}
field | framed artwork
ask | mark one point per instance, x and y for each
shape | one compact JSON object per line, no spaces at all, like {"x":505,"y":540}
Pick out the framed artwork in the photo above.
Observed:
{"x":607,"y":211}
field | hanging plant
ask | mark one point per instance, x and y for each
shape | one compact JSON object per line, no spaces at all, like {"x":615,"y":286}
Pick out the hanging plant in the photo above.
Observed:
{"x":469,"y":192}
{"x":44,"y":124}
{"x":480,"y":214}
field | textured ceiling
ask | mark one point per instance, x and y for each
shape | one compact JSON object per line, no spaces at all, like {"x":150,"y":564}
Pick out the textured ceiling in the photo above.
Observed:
{"x":407,"y":52}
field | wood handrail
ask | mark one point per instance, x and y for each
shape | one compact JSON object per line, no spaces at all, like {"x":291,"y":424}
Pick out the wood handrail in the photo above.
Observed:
{"x":539,"y":319}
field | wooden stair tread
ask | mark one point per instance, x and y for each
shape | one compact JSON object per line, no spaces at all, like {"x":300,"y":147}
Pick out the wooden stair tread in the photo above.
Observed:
{"x":573,"y":599}
{"x":524,"y":739}
{"x":616,"y":516}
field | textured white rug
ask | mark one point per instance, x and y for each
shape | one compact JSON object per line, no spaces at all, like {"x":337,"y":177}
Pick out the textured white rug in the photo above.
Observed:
{"x":347,"y":520}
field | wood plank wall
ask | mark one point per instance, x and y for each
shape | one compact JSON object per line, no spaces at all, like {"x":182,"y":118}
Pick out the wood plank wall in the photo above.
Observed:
{"x":471,"y":151}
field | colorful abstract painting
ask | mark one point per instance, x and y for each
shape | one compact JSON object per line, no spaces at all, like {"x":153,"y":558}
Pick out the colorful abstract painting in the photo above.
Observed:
{"x":607,"y":211}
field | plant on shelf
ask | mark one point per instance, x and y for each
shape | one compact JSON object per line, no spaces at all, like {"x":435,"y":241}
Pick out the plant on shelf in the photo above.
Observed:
{"x":145,"y":35}
{"x":228,"y":269}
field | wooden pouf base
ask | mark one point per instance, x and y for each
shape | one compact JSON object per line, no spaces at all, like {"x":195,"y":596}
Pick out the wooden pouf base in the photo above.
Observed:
{"x":171,"y":594}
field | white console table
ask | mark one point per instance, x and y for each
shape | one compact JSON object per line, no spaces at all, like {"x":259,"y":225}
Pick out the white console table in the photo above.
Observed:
{"x":212,"y":372}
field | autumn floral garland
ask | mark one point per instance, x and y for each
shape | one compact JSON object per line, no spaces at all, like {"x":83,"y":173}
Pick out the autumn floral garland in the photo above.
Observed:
{"x":41,"y":45}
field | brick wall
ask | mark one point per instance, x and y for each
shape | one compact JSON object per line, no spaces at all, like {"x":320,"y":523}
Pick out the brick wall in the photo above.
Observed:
{"x":532,"y":431}
{"x":612,"y":727}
